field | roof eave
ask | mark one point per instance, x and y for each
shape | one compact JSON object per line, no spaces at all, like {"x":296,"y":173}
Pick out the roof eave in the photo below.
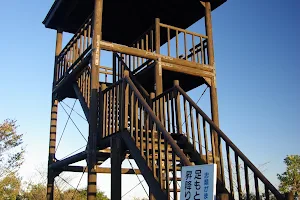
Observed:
{"x":51,"y":12}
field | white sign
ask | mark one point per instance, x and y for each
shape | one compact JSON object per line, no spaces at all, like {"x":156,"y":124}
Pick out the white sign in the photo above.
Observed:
{"x":198,"y":182}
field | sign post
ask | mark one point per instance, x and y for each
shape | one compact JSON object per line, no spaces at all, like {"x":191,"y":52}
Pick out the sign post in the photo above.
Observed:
{"x":198,"y":182}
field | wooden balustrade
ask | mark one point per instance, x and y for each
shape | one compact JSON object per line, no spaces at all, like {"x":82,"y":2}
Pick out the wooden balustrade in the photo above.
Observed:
{"x":84,"y":84}
{"x":188,"y":45}
{"x":75,"y":50}
{"x":240,"y":177}
{"x":145,"y":42}
{"x":124,"y":108}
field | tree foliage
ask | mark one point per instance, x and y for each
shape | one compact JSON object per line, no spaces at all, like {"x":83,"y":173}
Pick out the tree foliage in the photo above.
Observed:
{"x":81,"y":194}
{"x":11,"y":149}
{"x":290,"y":179}
{"x":10,"y":187}
{"x":38,"y":191}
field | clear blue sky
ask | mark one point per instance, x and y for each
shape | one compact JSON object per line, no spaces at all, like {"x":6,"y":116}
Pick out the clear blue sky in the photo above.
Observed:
{"x":257,"y":59}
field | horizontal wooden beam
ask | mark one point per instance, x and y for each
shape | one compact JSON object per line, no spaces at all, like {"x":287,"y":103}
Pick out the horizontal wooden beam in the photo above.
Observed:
{"x":70,"y":160}
{"x":187,"y":70}
{"x":73,"y":75}
{"x":153,"y":56}
{"x":105,"y":170}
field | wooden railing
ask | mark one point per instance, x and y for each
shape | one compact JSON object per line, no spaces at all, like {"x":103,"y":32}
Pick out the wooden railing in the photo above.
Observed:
{"x":186,"y":45}
{"x":181,"y":44}
{"x":125,"y":109}
{"x":119,"y":66}
{"x":74,"y":51}
{"x":145,"y":42}
{"x":241,"y":178}
{"x":84,"y":84}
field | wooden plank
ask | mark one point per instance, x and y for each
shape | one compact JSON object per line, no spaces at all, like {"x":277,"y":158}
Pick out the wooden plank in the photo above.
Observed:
{"x":117,"y":116}
{"x":174,"y":175}
{"x":256,"y":187}
{"x":267,"y":195}
{"x":158,"y":68}
{"x":229,"y":170}
{"x":151,"y":55}
{"x":177,"y":48}
{"x":192,"y":126}
{"x":205,"y":140}
{"x":238,"y":176}
{"x":181,"y":30}
{"x":178,"y":109}
{"x":145,"y":170}
{"x":185,"y":45}
{"x":147,"y":138}
{"x":126,"y":102}
{"x":187,"y":131}
{"x":187,"y":70}
{"x":199,"y":132}
{"x":132,"y":113}
{"x":193,"y":43}
{"x":169,"y":47}
{"x":167,"y":167}
{"x":247,"y":181}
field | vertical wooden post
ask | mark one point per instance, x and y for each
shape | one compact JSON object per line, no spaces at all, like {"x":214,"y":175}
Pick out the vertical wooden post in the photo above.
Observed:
{"x":101,"y":111}
{"x":97,"y":35}
{"x":117,"y":157}
{"x":177,"y":108}
{"x":126,"y":100}
{"x":158,"y":69}
{"x":152,"y":96}
{"x":115,"y":60}
{"x":213,"y":88}
{"x":211,"y":58}
{"x":53,"y":122}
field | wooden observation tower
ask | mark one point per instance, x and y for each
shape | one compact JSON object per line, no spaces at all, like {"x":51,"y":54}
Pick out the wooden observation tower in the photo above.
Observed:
{"x":138,"y":107}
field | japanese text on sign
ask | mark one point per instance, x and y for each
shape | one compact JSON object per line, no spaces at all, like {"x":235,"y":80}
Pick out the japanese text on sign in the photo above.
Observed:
{"x":198,"y":182}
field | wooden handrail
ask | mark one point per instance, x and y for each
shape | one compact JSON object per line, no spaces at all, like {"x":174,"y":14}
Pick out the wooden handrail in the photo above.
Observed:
{"x":75,"y":37}
{"x":163,"y":94}
{"x":145,"y":93}
{"x":236,"y":150}
{"x":159,"y":125}
{"x":86,"y":53}
{"x":182,"y":30}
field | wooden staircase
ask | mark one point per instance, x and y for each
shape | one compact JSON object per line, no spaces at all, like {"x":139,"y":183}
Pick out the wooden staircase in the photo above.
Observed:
{"x":161,"y":139}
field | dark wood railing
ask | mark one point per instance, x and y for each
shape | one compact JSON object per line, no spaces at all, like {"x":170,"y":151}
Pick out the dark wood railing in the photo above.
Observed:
{"x":191,"y":46}
{"x":145,"y":42}
{"x":125,"y":109}
{"x":238,"y":174}
{"x":84,"y":84}
{"x":74,"y":51}
{"x":119,"y":66}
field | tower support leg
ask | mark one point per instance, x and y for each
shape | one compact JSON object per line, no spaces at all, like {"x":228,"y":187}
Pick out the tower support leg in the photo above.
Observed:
{"x":117,"y":157}
{"x":52,"y":144}
{"x":92,"y":141}
{"x":53,"y":123}
{"x":213,"y":90}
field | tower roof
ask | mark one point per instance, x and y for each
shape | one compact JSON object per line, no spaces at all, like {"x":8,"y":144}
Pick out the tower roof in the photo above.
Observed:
{"x":125,"y":20}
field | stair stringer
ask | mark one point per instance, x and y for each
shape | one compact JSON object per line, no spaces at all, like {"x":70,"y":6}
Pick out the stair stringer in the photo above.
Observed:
{"x":145,"y":170}
{"x":81,"y":100}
